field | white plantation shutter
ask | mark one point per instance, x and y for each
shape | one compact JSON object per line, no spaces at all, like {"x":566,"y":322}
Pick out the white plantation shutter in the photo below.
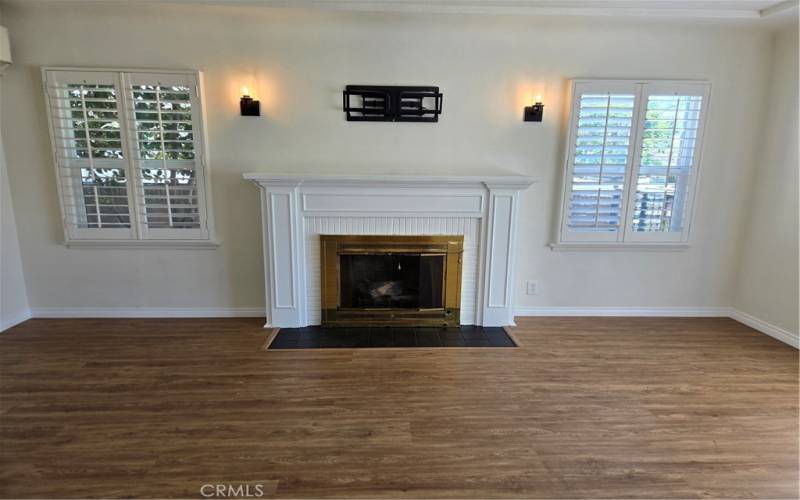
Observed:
{"x":666,"y":163}
{"x":129,"y":154}
{"x":89,"y":149}
{"x":632,"y":161}
{"x":599,"y":161}
{"x":168,"y":155}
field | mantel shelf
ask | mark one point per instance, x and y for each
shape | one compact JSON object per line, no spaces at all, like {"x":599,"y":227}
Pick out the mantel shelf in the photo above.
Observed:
{"x":488,"y":181}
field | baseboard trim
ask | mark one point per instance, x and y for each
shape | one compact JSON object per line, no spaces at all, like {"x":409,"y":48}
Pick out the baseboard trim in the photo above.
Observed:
{"x":689,"y":312}
{"x":256,"y":312}
{"x":762,"y":326}
{"x":151,"y":312}
{"x":7,"y":323}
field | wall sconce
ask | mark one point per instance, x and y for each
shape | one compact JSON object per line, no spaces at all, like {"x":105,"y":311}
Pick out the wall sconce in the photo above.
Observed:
{"x":534,"y":113}
{"x":249,"y":106}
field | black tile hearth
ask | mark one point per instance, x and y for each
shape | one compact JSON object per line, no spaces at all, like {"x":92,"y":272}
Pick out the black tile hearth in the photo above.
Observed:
{"x":317,"y":337}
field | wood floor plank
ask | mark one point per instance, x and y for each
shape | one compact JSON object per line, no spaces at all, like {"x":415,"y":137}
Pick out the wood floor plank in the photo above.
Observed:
{"x":585,"y":408}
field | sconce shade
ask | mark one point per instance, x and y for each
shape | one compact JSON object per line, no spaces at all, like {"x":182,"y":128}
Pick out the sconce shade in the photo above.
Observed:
{"x":249,"y":107}
{"x":5,"y":49}
{"x":534,"y":113}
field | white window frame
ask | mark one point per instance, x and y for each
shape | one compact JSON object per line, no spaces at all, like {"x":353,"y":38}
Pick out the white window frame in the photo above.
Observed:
{"x":625,"y":238}
{"x":138,"y":235}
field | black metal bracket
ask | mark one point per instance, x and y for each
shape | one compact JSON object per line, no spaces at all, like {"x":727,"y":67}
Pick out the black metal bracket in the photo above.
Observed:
{"x":381,"y":103}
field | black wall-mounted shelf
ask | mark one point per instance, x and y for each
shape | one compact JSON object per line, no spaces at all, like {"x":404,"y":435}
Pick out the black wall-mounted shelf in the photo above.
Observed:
{"x":382,"y":103}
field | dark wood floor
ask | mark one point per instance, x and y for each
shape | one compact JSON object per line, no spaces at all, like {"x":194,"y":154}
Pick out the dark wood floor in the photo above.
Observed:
{"x":600,"y":407}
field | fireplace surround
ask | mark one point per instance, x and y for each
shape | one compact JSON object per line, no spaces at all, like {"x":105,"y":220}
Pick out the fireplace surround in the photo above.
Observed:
{"x":296,"y":209}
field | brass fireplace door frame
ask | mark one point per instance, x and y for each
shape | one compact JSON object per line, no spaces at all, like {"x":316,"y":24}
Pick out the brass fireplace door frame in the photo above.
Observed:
{"x":332,"y":246}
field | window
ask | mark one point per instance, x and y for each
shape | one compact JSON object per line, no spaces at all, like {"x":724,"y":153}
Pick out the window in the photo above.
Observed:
{"x":632,"y":162}
{"x":130,"y":157}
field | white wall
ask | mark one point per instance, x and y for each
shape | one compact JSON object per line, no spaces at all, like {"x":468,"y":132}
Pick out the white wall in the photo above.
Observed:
{"x":13,"y":294}
{"x":767,"y":287}
{"x":298,"y":62}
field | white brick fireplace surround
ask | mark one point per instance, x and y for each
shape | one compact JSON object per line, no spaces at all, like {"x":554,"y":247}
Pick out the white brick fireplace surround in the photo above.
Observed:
{"x":296,"y":209}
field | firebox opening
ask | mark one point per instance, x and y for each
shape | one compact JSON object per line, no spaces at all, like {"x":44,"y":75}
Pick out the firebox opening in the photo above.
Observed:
{"x":406,"y":281}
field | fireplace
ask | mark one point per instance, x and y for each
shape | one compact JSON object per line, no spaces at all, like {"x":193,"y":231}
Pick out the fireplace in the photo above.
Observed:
{"x":391,"y":280}
{"x":297,"y":208}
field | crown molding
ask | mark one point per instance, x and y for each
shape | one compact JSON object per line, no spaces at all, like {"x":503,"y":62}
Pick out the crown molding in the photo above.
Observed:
{"x":654,"y":9}
{"x":779,"y":8}
{"x":606,"y":8}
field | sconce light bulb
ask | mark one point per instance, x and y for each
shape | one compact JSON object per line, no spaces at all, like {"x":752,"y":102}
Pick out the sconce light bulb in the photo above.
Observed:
{"x":245,"y":91}
{"x":538,"y":98}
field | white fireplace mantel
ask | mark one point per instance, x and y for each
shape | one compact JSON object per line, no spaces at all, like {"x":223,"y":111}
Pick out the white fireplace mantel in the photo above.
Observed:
{"x":296,"y":209}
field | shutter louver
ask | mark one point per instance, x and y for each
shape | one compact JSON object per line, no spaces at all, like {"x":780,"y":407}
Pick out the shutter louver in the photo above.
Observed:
{"x":90,"y":158}
{"x":165,"y":140}
{"x":599,"y":161}
{"x":669,"y":137}
{"x":601,"y":154}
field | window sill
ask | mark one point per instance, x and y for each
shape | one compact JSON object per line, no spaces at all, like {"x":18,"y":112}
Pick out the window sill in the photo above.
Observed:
{"x":618,"y":247}
{"x":155,"y":244}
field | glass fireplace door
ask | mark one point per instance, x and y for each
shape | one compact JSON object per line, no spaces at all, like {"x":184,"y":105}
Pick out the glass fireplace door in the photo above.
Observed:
{"x":392,"y":280}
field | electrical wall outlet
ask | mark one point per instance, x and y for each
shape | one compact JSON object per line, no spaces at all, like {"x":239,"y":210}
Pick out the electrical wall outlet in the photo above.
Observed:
{"x":531,"y":287}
